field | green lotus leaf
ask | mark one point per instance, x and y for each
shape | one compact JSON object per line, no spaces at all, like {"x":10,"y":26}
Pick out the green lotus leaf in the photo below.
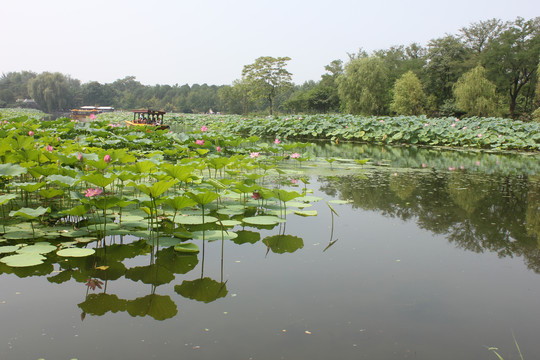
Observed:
{"x":98,"y":179}
{"x":180,"y":202}
{"x":50,"y":193}
{"x":232,"y":212}
{"x":214,"y":235}
{"x":306,"y":213}
{"x":75,"y":252}
{"x":262,"y":220}
{"x":7,"y":197}
{"x":37,"y":248}
{"x":30,"y":213}
{"x":230,"y":222}
{"x":23,"y":260}
{"x":79,"y":210}
{"x":203,"y":198}
{"x":18,"y":234}
{"x":187,"y":248}
{"x":12,"y":170}
{"x":66,"y":181}
{"x":165,"y":242}
{"x":9,"y":249}
{"x":298,"y":204}
{"x":195,"y":220}
{"x":30,"y":187}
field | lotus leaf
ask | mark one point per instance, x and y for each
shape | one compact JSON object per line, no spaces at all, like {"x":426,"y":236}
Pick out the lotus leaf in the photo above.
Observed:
{"x":262,"y":220}
{"x":195,"y":220}
{"x":75,"y":252}
{"x":37,"y":248}
{"x":187,"y":248}
{"x":9,"y":249}
{"x":306,"y":213}
{"x":23,"y":260}
{"x":214,"y":235}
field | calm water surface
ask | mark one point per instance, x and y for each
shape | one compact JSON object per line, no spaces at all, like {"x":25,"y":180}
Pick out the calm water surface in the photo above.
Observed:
{"x":435,"y":256}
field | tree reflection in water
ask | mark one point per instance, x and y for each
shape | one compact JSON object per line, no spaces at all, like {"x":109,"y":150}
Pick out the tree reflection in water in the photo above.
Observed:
{"x":476,"y":211}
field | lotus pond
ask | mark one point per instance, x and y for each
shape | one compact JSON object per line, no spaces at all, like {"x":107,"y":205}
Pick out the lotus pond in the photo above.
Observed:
{"x":122,"y":243}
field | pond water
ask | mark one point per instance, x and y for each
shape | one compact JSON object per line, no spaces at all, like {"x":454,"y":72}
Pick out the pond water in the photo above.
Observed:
{"x":435,"y":255}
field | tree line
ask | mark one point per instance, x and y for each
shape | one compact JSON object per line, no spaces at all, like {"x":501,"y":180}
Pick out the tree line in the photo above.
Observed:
{"x":489,"y":68}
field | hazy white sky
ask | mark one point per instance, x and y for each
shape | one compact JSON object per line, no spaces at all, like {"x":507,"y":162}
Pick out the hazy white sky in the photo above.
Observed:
{"x":209,"y":41}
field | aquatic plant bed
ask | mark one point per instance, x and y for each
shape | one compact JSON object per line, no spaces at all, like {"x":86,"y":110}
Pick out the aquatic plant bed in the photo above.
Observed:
{"x":483,"y":133}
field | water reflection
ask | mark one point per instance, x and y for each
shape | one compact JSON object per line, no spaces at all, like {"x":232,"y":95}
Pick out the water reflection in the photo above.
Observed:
{"x":476,"y":212}
{"x":415,"y":157}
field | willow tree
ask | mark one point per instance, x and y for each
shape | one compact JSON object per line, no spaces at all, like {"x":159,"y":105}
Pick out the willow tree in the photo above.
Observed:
{"x":475,"y":94}
{"x":53,"y":91}
{"x":267,"y":78}
{"x":363,"y":87}
{"x":409,"y":97}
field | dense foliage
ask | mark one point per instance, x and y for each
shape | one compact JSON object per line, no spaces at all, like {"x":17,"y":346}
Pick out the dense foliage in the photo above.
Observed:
{"x":474,"y":132}
{"x":366,"y":84}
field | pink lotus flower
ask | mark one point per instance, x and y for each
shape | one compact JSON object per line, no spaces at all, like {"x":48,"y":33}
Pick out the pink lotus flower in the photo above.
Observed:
{"x":294,"y":181}
{"x":256,"y":195}
{"x":49,"y":148}
{"x":464,"y":128}
{"x":80,"y":157}
{"x":277,"y":141}
{"x":204,"y":128}
{"x":107,"y":158}
{"x":30,"y":133}
{"x":453,"y":125}
{"x":479,"y":135}
{"x":426,"y":124}
{"x":199,"y":142}
{"x":218,"y":149}
{"x":451,"y":168}
{"x":93,"y":192}
{"x":92,"y":116}
{"x":254,"y":154}
{"x":456,"y":119}
{"x":295,"y":156}
{"x":381,"y":121}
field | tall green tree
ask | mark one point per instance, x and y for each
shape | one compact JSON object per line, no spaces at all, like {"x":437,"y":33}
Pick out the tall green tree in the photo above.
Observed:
{"x":475,"y":94}
{"x":512,"y":60}
{"x":267,"y":77}
{"x":478,"y":35}
{"x":409,"y":97}
{"x":447,"y":59}
{"x":14,"y":85}
{"x":364,"y":87}
{"x":54,"y":91}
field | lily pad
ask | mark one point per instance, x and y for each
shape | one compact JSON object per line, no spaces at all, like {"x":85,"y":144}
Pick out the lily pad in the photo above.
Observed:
{"x":23,"y":260}
{"x":231,"y":222}
{"x":75,"y":252}
{"x":18,"y":235}
{"x":194,"y":220}
{"x":165,"y":242}
{"x":37,"y":248}
{"x":187,"y":248}
{"x":306,"y":213}
{"x":262,"y":220}
{"x":8,"y":249}
{"x":214,"y":235}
